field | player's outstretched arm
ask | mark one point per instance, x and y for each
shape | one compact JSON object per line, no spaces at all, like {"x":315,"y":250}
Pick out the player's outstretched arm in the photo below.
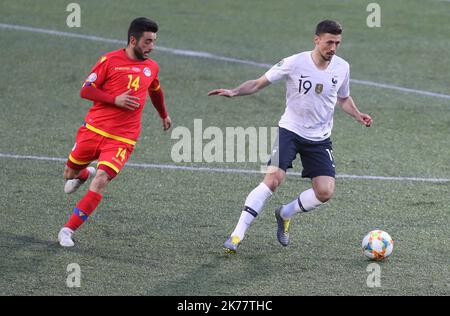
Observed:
{"x":348,"y":106}
{"x":247,"y":88}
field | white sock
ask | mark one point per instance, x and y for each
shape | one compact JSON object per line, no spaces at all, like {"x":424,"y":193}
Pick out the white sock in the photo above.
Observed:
{"x":306,"y":202}
{"x":253,"y":207}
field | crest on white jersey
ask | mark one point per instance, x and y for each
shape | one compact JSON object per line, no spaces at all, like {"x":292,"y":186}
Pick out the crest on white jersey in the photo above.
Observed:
{"x":319,"y":88}
{"x":334,"y":80}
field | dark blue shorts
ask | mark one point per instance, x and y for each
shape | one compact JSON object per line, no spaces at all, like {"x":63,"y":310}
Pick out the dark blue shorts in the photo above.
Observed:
{"x":317,"y":157}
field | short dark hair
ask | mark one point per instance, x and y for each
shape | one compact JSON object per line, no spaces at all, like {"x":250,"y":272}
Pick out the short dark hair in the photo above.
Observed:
{"x":328,"y":26}
{"x":140,"y":25}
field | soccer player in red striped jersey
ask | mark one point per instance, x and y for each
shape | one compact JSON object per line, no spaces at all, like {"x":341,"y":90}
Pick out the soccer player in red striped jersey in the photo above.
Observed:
{"x":118,"y":85}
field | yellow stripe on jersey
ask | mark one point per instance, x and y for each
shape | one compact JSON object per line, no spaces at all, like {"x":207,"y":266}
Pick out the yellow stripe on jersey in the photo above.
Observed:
{"x":77,"y":162}
{"x":108,"y":135}
{"x":108,"y":164}
{"x":156,"y":89}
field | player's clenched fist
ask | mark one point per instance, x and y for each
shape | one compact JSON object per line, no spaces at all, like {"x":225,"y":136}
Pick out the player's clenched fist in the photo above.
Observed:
{"x":167,"y":123}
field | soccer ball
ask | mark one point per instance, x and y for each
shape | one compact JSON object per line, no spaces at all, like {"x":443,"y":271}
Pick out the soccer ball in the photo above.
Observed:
{"x":377,"y":245}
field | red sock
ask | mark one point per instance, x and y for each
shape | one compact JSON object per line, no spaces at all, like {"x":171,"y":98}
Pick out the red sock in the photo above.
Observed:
{"x":84,"y":209}
{"x":83,"y":175}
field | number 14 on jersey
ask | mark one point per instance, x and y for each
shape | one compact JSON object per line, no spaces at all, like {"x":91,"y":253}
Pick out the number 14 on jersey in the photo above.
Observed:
{"x":133,"y":83}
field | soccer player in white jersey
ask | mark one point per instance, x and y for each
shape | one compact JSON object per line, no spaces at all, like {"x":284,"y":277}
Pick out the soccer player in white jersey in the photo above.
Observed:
{"x":316,"y":81}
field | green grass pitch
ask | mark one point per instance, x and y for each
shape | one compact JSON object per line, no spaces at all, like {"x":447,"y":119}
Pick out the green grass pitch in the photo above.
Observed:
{"x":160,"y":232}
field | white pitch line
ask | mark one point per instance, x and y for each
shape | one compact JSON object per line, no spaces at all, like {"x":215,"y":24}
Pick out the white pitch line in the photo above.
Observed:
{"x":199,"y":54}
{"x":232,"y":171}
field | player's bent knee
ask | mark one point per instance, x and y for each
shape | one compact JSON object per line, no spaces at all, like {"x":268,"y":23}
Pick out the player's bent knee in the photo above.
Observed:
{"x":323,"y":188}
{"x":100,"y":181}
{"x":324,"y":194}
{"x":274,"y":180}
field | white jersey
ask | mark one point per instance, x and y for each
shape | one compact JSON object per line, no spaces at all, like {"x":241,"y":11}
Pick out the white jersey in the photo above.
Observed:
{"x":311,"y":93}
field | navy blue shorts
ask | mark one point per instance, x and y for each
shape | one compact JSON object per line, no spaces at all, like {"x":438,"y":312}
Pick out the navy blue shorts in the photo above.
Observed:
{"x":317,"y":157}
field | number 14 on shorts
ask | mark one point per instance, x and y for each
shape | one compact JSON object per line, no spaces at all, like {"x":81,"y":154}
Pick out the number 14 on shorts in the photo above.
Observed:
{"x":121,"y":153}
